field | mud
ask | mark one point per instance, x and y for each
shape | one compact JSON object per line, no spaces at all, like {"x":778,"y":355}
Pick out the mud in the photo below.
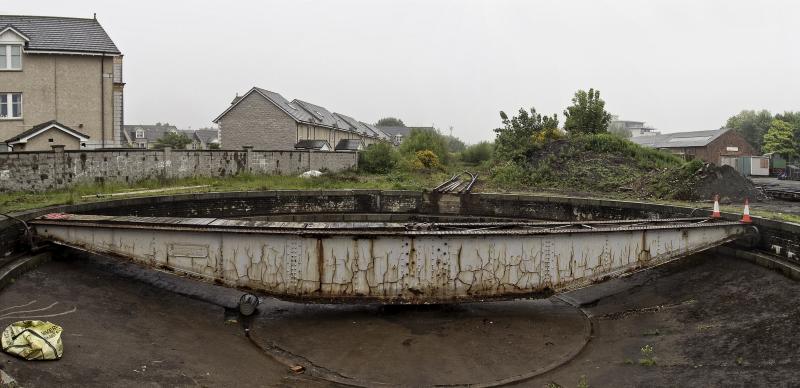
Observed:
{"x":711,"y":321}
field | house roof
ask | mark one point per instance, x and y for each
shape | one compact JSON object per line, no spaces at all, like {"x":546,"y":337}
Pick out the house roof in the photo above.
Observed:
{"x":37,"y":129}
{"x":207,"y":135}
{"x":151,"y":132}
{"x":680,"y":139}
{"x":377,"y":131}
{"x":312,"y":144}
{"x":319,"y":114}
{"x":394,"y":131}
{"x":350,"y":145}
{"x":61,"y":34}
{"x":306,"y":112}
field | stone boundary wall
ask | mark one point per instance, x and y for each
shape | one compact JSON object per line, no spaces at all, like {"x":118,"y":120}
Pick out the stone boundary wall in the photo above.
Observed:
{"x":46,"y":170}
{"x":780,"y":238}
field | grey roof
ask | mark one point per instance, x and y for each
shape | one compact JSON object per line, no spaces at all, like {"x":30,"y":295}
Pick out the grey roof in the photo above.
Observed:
{"x":350,"y":145}
{"x":394,"y":131}
{"x":377,"y":131}
{"x":291,"y":109}
{"x":311,"y":144}
{"x":207,"y":135}
{"x":38,"y":127}
{"x":357,"y":125}
{"x":680,"y":139}
{"x":48,"y":33}
{"x":319,"y":114}
{"x":151,"y":132}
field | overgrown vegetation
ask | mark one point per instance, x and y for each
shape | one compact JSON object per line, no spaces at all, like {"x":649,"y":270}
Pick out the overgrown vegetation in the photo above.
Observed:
{"x":379,"y":158}
{"x":476,"y":154}
{"x":177,"y":141}
{"x":394,"y":180}
{"x":426,"y":140}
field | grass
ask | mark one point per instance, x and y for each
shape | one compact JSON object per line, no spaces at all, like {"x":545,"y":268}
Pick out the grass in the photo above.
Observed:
{"x":17,"y":201}
{"x":648,"y":356}
{"x":397,"y":180}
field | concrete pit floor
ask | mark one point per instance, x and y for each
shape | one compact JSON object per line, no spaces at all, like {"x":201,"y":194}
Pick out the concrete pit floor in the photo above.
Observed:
{"x":711,"y":321}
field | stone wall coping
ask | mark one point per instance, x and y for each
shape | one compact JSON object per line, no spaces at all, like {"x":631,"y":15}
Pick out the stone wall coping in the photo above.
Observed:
{"x":29,"y":214}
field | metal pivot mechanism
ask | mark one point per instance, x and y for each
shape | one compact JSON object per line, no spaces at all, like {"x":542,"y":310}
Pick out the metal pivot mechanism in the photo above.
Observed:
{"x":248,"y":304}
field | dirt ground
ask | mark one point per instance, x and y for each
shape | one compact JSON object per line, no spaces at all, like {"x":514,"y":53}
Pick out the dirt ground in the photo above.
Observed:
{"x":777,"y":205}
{"x":711,"y":321}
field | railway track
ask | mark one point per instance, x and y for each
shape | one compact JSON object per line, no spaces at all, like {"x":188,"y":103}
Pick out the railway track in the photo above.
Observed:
{"x":461,"y":183}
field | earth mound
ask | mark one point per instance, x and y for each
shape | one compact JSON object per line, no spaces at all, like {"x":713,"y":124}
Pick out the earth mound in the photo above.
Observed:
{"x":605,"y":164}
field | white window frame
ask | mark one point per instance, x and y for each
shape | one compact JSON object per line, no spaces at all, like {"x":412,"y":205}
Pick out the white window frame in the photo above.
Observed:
{"x":7,"y":66}
{"x":139,"y":133}
{"x":10,"y":106}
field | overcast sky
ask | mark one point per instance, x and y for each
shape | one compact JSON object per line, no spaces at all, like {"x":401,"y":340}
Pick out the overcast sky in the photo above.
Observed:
{"x":678,"y":65}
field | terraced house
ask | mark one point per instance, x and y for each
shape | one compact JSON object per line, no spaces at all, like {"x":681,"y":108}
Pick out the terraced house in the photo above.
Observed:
{"x":60,"y":84}
{"x":266,"y":120}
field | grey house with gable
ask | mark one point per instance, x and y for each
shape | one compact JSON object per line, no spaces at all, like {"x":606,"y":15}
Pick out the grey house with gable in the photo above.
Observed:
{"x":265,"y":120}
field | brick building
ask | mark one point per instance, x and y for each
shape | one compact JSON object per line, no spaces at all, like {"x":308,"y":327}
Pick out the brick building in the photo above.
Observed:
{"x":709,"y":146}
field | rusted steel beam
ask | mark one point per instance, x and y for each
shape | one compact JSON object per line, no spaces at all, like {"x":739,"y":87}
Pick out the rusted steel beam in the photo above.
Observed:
{"x":392,"y":262}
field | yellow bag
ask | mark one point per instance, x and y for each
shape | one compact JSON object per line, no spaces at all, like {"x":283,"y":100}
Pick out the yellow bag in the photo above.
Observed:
{"x":33,"y":340}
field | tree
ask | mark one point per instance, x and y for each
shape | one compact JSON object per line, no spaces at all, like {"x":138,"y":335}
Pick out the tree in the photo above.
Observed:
{"x":454,"y":144}
{"x":390,"y":122}
{"x":177,"y":141}
{"x":587,"y":113}
{"x":426,"y":139}
{"x":780,"y":139}
{"x":516,"y":138}
{"x":378,"y":158}
{"x":477,"y":153}
{"x":752,"y":125}
{"x":793,"y":118}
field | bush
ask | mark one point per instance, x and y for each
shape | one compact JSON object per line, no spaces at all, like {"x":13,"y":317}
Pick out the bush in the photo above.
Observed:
{"x":425,"y":140}
{"x":427,"y":160}
{"x":477,"y":153}
{"x":378,"y":158}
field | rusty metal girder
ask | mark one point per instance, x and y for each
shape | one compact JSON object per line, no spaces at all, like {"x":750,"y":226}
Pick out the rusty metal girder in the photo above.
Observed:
{"x":392,"y":262}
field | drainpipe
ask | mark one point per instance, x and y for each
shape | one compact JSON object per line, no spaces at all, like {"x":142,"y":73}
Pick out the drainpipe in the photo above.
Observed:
{"x":102,"y":99}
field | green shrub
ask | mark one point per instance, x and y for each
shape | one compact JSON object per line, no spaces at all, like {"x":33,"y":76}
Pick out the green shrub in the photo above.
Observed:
{"x":477,"y":153}
{"x":378,"y":158}
{"x":426,"y":139}
{"x":426,"y":160}
{"x":510,"y":175}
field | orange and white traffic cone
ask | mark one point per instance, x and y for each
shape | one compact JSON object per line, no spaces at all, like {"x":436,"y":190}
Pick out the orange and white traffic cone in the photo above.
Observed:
{"x":746,"y":216}
{"x":716,"y":214}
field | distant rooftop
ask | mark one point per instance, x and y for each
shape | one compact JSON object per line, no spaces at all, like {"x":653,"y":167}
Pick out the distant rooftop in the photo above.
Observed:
{"x":680,"y":139}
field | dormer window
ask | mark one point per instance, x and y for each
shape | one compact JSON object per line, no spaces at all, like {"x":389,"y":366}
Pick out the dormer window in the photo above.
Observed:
{"x":10,"y":57}
{"x":139,"y":133}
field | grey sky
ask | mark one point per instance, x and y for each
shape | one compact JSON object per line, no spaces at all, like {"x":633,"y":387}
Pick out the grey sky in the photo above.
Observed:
{"x":679,"y":65}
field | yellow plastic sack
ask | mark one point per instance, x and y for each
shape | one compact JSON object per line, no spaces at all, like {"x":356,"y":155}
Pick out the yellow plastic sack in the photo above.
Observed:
{"x":33,"y":340}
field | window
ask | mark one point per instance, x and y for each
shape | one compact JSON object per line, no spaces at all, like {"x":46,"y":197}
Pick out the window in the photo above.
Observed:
{"x":139,"y":133}
{"x":10,"y":105}
{"x":10,"y":57}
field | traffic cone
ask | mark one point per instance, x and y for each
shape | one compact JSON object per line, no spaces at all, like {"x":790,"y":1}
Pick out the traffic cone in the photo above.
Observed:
{"x":716,"y":214}
{"x":746,"y":216}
